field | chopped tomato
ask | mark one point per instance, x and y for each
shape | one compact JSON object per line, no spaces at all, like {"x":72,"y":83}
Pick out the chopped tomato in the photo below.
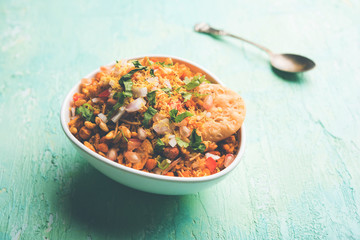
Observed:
{"x":176,"y":105}
{"x":105,"y":94}
{"x":210,"y":164}
{"x":77,"y":96}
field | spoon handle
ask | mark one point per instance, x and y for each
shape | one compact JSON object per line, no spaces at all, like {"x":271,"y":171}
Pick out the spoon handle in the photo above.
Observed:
{"x":205,"y":28}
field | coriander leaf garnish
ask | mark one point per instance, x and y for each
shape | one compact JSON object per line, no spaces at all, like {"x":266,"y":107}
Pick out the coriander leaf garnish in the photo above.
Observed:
{"x":128,"y":86}
{"x":181,"y":143}
{"x":195,"y":82}
{"x":182,"y":116}
{"x":120,"y":96}
{"x":167,"y":90}
{"x":125,"y":81}
{"x":196,"y":142}
{"x":152,"y":73}
{"x":165,"y":65}
{"x":159,"y":146}
{"x":113,"y":110}
{"x":152,"y":97}
{"x":86,"y":111}
{"x":178,"y":118}
{"x":127,"y":94}
{"x":128,"y":76}
{"x":150,"y":112}
{"x":137,"y":64}
{"x":186,"y":96}
{"x":173,"y":113}
{"x":164,"y":164}
{"x":186,"y":80}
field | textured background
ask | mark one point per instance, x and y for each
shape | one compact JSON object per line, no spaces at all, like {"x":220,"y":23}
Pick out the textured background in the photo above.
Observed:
{"x":300,"y":176}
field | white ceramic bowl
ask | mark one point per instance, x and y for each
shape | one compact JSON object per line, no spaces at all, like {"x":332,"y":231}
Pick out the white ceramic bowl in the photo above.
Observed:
{"x":143,"y":181}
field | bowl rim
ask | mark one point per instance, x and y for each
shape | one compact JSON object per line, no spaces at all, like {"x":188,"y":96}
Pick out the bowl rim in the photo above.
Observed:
{"x":65,"y":110}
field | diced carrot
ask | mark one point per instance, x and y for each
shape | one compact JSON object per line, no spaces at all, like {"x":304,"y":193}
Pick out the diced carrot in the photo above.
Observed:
{"x":171,"y":174}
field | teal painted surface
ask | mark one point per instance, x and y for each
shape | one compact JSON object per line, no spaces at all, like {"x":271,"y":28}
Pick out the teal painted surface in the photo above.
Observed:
{"x":300,"y":176}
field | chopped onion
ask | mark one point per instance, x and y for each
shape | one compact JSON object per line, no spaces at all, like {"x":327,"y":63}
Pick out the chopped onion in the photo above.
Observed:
{"x":112,"y":83}
{"x":72,"y":111}
{"x":157,"y":117}
{"x":112,"y":154}
{"x":95,"y":100}
{"x":229,"y":158}
{"x":103,"y":117}
{"x":167,"y":83}
{"x":132,"y":157}
{"x":118,"y":115}
{"x":135,"y":105}
{"x":154,"y":80}
{"x":157,"y":171}
{"x":208,"y":114}
{"x":162,"y":126}
{"x":172,"y":140}
{"x":185,"y":131}
{"x":141,"y":133}
{"x":139,"y":92}
{"x":213,"y":156}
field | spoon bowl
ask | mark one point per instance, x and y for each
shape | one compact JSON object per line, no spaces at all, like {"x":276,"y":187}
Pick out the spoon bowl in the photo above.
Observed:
{"x":291,"y":63}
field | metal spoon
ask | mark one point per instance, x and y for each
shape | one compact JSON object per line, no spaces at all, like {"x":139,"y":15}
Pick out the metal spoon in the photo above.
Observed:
{"x":284,"y":62}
